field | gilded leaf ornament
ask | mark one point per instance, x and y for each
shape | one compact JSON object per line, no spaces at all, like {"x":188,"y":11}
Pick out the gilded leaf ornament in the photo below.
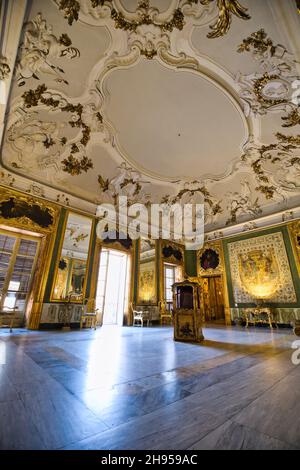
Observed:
{"x":226,"y":8}
{"x":75,"y":166}
{"x":41,"y":96}
{"x":270,"y":88}
{"x":259,"y":86}
{"x":128,"y":182}
{"x":146,"y":15}
{"x":4,"y":69}
{"x":70,"y":8}
{"x":292,"y":119}
{"x":288,"y":139}
{"x":282,"y":155}
{"x":103,"y":183}
{"x":190,"y":192}
{"x":258,"y":41}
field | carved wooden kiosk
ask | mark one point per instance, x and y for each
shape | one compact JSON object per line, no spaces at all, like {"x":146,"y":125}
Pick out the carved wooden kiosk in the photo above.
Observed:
{"x":186,"y":310}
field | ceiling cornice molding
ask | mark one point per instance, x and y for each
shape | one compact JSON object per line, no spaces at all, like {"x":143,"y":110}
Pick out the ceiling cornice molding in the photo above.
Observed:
{"x":45,"y":192}
{"x":260,"y":223}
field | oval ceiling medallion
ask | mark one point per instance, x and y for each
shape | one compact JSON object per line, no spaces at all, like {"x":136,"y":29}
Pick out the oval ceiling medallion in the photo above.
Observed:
{"x":275,"y":89}
{"x":173,"y":124}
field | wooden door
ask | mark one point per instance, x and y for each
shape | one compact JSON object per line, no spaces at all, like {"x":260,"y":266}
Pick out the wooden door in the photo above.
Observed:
{"x":213,"y":299}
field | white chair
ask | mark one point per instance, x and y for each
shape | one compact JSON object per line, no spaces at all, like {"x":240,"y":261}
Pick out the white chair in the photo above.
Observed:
{"x":139,"y":316}
{"x":90,"y":317}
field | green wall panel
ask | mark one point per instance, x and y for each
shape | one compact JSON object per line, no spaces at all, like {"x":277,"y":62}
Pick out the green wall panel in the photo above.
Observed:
{"x":290,"y":254}
{"x":190,"y":262}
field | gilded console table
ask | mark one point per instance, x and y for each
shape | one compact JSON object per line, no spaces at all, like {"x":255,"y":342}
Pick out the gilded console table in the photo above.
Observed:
{"x":262,"y":315}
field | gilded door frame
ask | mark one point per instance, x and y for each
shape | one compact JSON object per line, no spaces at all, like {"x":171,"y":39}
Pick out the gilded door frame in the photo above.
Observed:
{"x":219,"y":271}
{"x":116,"y":246}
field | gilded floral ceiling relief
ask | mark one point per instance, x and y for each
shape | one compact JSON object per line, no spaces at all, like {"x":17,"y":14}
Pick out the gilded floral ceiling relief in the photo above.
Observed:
{"x":46,"y":142}
{"x":128,"y":182}
{"x":39,"y":51}
{"x":272,"y":89}
{"x":40,"y":144}
{"x":147,"y":15}
{"x":4,"y":68}
{"x":52,"y":135}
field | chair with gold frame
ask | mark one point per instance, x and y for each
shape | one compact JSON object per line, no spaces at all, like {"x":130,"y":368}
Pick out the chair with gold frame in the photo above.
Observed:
{"x":165,"y":315}
{"x":9,"y":316}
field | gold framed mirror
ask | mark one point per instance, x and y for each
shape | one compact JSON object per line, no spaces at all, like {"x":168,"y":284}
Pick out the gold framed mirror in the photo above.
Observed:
{"x":147,"y":276}
{"x":72,"y":264}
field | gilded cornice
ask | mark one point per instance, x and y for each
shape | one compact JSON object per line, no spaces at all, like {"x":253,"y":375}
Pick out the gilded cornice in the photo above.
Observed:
{"x":294,"y":230}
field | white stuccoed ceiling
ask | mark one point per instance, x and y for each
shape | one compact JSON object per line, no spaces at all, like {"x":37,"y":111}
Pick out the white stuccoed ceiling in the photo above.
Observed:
{"x":165,"y":121}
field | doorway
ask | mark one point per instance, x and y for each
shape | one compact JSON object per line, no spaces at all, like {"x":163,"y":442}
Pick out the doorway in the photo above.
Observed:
{"x":113,"y":286}
{"x":172,"y":273}
{"x":213,"y":299}
{"x":18,"y":254}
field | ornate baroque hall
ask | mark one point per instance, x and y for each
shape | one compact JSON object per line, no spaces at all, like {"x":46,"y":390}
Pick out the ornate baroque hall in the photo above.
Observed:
{"x":149,"y":227}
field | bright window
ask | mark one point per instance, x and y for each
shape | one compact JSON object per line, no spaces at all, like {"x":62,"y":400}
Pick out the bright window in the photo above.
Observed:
{"x":170,"y":275}
{"x":17,"y":262}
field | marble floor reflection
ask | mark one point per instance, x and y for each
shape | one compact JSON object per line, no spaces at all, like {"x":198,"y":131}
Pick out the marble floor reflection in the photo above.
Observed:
{"x":135,"y":388}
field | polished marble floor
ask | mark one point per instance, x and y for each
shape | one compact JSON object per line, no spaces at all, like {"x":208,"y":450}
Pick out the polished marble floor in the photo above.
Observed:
{"x":135,"y":388}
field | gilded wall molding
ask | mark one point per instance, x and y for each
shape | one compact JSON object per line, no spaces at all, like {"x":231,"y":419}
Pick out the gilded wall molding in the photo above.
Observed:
{"x":294,"y":231}
{"x":172,"y":252}
{"x":24,"y":212}
{"x":210,"y":259}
